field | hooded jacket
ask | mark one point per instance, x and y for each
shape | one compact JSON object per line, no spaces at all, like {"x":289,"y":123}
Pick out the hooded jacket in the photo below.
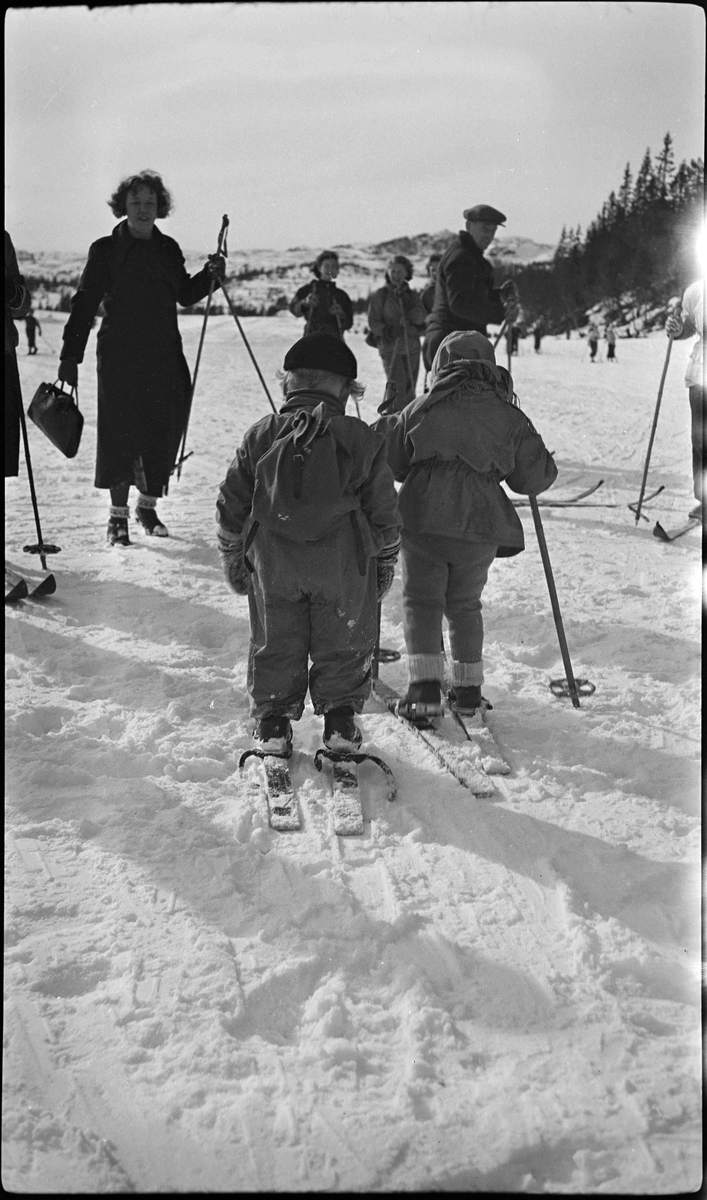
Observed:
{"x":454,"y":446}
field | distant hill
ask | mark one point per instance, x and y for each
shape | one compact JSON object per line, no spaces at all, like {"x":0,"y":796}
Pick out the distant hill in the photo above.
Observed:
{"x":263,"y":281}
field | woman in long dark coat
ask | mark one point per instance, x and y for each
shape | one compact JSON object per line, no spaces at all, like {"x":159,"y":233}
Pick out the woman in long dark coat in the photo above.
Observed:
{"x":143,"y":379}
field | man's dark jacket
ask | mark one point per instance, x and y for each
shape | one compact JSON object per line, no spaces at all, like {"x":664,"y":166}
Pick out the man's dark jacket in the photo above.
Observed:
{"x":465,"y":298}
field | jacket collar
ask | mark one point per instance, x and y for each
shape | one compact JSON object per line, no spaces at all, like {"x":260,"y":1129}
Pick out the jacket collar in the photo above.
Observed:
{"x":310,"y":400}
{"x":468,"y":243}
{"x":123,"y":240}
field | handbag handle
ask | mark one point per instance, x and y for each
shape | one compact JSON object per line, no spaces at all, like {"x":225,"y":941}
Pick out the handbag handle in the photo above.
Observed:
{"x":58,"y":386}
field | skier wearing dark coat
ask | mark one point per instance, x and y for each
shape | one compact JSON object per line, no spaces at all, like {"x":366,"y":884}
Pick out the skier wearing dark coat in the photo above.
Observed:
{"x":452,"y":448}
{"x":32,"y":328}
{"x":143,"y":379}
{"x":314,"y":560}
{"x":465,"y":298}
{"x":327,"y":308}
{"x":17,"y":304}
{"x":396,"y":319}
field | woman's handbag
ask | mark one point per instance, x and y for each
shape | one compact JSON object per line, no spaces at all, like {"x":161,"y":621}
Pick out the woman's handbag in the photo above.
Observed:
{"x":56,"y":413}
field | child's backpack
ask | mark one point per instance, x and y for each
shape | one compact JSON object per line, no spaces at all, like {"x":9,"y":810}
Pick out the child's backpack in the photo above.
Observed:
{"x":300,"y":482}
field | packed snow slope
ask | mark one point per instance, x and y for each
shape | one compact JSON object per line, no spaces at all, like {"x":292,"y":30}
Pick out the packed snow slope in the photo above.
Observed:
{"x":478,"y":994}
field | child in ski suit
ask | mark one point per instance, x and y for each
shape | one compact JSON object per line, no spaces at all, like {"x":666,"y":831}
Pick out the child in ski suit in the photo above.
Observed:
{"x":311,"y":534}
{"x":452,"y":448}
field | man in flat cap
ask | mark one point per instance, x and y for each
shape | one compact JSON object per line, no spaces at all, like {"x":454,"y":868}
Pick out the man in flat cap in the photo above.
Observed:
{"x":465,"y":298}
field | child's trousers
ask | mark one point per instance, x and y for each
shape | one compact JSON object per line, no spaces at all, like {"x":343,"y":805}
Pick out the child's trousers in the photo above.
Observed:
{"x":313,"y":624}
{"x":444,"y":577}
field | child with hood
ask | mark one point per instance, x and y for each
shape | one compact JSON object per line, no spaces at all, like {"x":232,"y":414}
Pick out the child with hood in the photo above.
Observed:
{"x":452,"y":448}
{"x":309,"y":530}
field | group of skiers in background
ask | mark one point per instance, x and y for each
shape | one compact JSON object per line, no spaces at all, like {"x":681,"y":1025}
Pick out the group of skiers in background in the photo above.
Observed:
{"x":593,"y":336}
{"x":310,"y":524}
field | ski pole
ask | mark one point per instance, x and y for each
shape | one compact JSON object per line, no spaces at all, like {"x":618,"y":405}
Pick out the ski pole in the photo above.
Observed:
{"x":182,"y":456}
{"x":46,"y":339}
{"x":380,"y":655}
{"x":501,"y":332}
{"x":234,"y":314}
{"x":652,"y":436}
{"x":341,"y":335}
{"x":41,"y":549}
{"x":572,"y":683}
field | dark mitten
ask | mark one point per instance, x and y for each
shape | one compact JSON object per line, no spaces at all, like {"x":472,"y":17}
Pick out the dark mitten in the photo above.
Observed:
{"x":230,"y":548}
{"x":385,"y":568}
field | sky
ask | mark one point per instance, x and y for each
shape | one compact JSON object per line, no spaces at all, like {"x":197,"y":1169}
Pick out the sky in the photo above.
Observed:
{"x":326,"y":124}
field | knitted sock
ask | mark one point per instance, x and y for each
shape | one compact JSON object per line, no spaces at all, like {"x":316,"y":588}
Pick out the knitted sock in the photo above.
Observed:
{"x":425,"y":666}
{"x":466,"y":674}
{"x":144,"y":501}
{"x":118,"y":510}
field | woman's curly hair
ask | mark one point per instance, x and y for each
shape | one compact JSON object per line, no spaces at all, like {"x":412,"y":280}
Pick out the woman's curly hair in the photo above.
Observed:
{"x":401,"y":261}
{"x":148,"y":179}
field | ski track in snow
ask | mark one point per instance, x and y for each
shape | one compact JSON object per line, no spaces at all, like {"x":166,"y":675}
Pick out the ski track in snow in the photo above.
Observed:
{"x":478,"y":994}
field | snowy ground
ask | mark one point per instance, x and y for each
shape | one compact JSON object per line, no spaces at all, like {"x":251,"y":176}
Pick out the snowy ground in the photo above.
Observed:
{"x":482,"y":995}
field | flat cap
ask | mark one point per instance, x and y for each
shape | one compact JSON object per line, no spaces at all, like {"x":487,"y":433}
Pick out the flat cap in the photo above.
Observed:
{"x":324,"y":352}
{"x":484,"y":212}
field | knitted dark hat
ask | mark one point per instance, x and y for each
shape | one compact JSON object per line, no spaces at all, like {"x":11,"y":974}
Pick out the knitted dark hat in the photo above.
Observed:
{"x":323,"y":352}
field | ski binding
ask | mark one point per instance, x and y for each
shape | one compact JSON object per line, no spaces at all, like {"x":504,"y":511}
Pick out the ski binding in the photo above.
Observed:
{"x":348,"y":814}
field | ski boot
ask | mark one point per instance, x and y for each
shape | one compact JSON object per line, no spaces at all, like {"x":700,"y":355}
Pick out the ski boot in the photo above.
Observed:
{"x":341,"y":733}
{"x":466,"y":701}
{"x":422,"y":702}
{"x":273,"y":735}
{"x":150,"y":522}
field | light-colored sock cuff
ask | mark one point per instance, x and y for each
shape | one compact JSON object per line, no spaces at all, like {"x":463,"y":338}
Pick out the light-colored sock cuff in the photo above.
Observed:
{"x":144,"y":501}
{"x":467,"y":674}
{"x":425,"y":666}
{"x":119,"y":510}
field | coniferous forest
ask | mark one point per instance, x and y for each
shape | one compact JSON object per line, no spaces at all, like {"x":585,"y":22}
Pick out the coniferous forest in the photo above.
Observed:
{"x":638,"y":252}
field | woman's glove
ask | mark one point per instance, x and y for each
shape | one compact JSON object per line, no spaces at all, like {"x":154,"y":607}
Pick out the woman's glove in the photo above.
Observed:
{"x":385,"y":568}
{"x":216,"y":266}
{"x":674,"y":325}
{"x":68,"y":371}
{"x":230,"y":548}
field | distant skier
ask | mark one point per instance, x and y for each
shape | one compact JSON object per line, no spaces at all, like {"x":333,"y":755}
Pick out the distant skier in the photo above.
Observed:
{"x":538,"y":335}
{"x":690,"y":320}
{"x":465,"y":298}
{"x":610,"y":336}
{"x":325,"y":307}
{"x":452,"y":448}
{"x":309,"y":530}
{"x":396,"y":320}
{"x":32,"y":327}
{"x":593,"y":337}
